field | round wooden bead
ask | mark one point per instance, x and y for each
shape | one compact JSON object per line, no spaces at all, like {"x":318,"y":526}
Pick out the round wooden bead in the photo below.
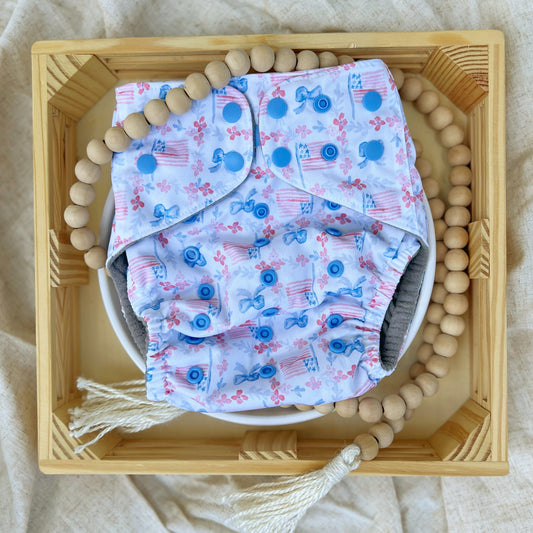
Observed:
{"x":87,"y":171}
{"x":452,"y":135}
{"x":95,"y":257}
{"x":262,"y":58}
{"x":286,"y":60}
{"x":440,"y":229}
{"x":135,"y":126}
{"x":435,"y":313}
{"x":156,"y":112}
{"x":177,"y":100}
{"x":368,"y":446}
{"x":456,"y":260}
{"x":238,"y":62}
{"x":370,"y":410}
{"x":437,"y":207}
{"x":430,"y":333}
{"x":457,"y":282}
{"x":445,"y":345}
{"x":301,"y":407}
{"x":453,"y":325}
{"x":416,"y":369}
{"x":98,"y":152}
{"x":82,"y":238}
{"x":428,"y":384}
{"x":456,"y":304}
{"x":439,"y":366}
{"x":307,"y":60}
{"x":327,"y":59}
{"x":457,"y":216}
{"x":412,"y":395}
{"x":412,"y":88}
{"x":346,"y":408}
{"x":82,"y":193}
{"x":76,"y":216}
{"x":393,"y":406}
{"x":424,"y":352}
{"x":431,"y":187}
{"x":197,"y":86}
{"x":439,"y":293}
{"x":325,"y":408}
{"x":408,"y":414}
{"x":440,"y":272}
{"x":383,"y":433}
{"x":460,"y":195}
{"x":217,"y":73}
{"x":441,"y":251}
{"x":440,"y":117}
{"x":461,"y":175}
{"x":427,"y":102}
{"x":455,"y":237}
{"x":116,"y":139}
{"x":419,"y":148}
{"x":424,"y":167}
{"x":345,"y":59}
{"x":459,"y":155}
{"x":399,"y":77}
{"x":396,"y":425}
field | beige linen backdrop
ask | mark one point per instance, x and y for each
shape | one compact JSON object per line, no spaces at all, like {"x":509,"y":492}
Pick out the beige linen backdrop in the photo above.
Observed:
{"x":31,"y":501}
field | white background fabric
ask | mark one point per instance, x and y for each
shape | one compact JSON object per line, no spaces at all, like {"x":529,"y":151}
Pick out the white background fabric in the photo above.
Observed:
{"x":33,"y":502}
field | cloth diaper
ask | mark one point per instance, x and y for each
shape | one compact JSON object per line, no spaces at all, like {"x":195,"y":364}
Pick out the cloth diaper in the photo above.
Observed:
{"x":268,"y":246}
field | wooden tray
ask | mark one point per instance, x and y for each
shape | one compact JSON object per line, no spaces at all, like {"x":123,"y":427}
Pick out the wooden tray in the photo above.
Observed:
{"x":460,"y":431}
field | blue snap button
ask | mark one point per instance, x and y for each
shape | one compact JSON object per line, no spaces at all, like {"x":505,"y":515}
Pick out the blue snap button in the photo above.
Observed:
{"x":334,"y":320}
{"x":281,"y":157}
{"x":206,"y":291}
{"x":337,"y":346}
{"x":335,"y":269}
{"x":321,"y":103}
{"x":333,"y":206}
{"x":329,"y":152}
{"x":269,"y":277}
{"x":201,"y":322}
{"x":277,"y":108}
{"x":259,"y":243}
{"x":191,"y":254}
{"x":193,"y":340}
{"x":271,"y":311}
{"x":146,"y":164}
{"x":333,"y":231}
{"x":231,"y":112}
{"x":261,"y":210}
{"x":267,"y":371}
{"x":372,"y":101}
{"x":374,"y":150}
{"x":264,"y":333}
{"x":233,"y":161}
{"x":195,"y":374}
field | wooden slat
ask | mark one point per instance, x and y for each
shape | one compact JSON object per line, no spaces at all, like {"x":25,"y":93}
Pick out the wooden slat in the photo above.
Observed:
{"x":478,"y":249}
{"x":268,"y":445}
{"x":67,"y":267}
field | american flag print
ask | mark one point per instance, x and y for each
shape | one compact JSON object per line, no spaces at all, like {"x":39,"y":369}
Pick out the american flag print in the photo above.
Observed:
{"x":144,"y":269}
{"x":180,"y":373}
{"x":347,"y":310}
{"x":361,"y":83}
{"x":240,"y":252}
{"x":298,"y":293}
{"x":299,"y":365}
{"x":125,"y":95}
{"x":121,"y":205}
{"x":174,"y":154}
{"x":293,"y":202}
{"x":242,"y":331}
{"x":310,"y":157}
{"x":382,"y":205}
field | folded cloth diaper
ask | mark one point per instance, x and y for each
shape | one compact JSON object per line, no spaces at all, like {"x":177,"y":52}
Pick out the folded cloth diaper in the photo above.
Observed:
{"x":268,"y":246}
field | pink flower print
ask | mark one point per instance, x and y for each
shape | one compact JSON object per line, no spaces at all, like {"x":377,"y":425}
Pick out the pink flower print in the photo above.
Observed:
{"x":173,"y":319}
{"x":302,"y":222}
{"x":377,"y":123}
{"x":246,"y":134}
{"x":169,"y":389}
{"x":323,"y":344}
{"x":302,"y":259}
{"x":162,"y":239}
{"x":313,"y":383}
{"x":328,"y":219}
{"x":198,"y":167}
{"x":139,"y":186}
{"x":218,"y":227}
{"x":274,"y":384}
{"x":323,"y":281}
{"x":376,"y":227}
{"x":276,"y":288}
{"x":233,"y":132}
{"x":322,"y":238}
{"x":141,"y":87}
{"x":299,"y":343}
{"x":136,"y":203}
{"x":346,"y":166}
{"x":277,"y":397}
{"x":167,"y":286}
{"x":278,"y":93}
{"x":287,"y":171}
{"x":225,"y":272}
{"x":235,"y":227}
{"x":302,"y":131}
{"x":324,"y":255}
{"x":190,"y":189}
{"x":277,"y":263}
{"x":261,"y":93}
{"x":200,"y":124}
{"x":392,"y":121}
{"x":164,"y":186}
{"x":220,"y":258}
{"x":206,"y":279}
{"x":267,"y":191}
{"x":372,"y":358}
{"x":199,"y":138}
{"x":257,"y":172}
{"x":223,"y":400}
{"x":263,"y":266}
{"x":263,"y":137}
{"x":317,"y":189}
{"x":269,"y":231}
{"x":340,"y":376}
{"x":322,"y":321}
{"x":164,"y":129}
{"x":206,"y":188}
{"x":194,"y":231}
{"x":342,"y":138}
{"x":400,"y":157}
{"x":343,"y":218}
{"x":239,"y":397}
{"x":261,"y":347}
{"x":359,"y":184}
{"x":274,"y":345}
{"x":351,"y":372}
{"x":340,"y":122}
{"x":275,"y":135}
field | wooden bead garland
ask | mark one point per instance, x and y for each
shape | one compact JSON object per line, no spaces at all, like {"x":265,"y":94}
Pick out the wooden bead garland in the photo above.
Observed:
{"x":448,"y":300}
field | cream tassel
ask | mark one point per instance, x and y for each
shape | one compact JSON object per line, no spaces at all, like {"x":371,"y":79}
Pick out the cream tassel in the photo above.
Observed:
{"x":116,"y":406}
{"x":278,"y":506}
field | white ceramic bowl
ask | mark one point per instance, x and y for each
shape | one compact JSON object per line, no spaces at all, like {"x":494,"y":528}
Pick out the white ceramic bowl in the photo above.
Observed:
{"x":274,"y":416}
